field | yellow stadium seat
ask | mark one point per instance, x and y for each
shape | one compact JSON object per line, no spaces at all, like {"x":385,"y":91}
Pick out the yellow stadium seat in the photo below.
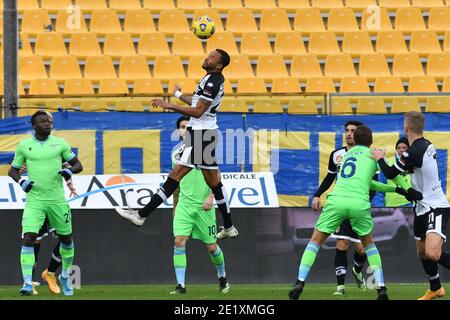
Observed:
{"x":173,"y":21}
{"x":192,"y":5}
{"x":422,"y":84}
{"x":43,"y":87}
{"x":224,"y":40}
{"x":308,"y":20}
{"x":35,"y":21}
{"x":446,"y":84}
{"x":271,"y":66}
{"x":339,"y":65}
{"x":105,"y":21}
{"x":241,"y":20}
{"x":427,"y":4}
{"x":251,"y":85}
{"x":148,"y":86}
{"x":70,"y":23}
{"x":78,"y":87}
{"x":53,"y":6}
{"x":373,"y":65}
{"x":320,"y":84}
{"x":231,"y":104}
{"x":323,"y":43}
{"x":121,"y":6}
{"x":439,"y":20}
{"x":130,"y":105}
{"x":275,"y":20}
{"x":289,"y":44}
{"x":302,"y":106}
{"x":254,"y":44}
{"x":305,"y":66}
{"x":267,"y":106}
{"x":354,"y":84}
{"x":375,"y":19}
{"x":224,"y":6}
{"x":359,"y":5}
{"x":341,"y":105}
{"x":438,"y":104}
{"x":259,"y":5}
{"x":31,"y":67}
{"x":409,"y":19}
{"x":50,"y":44}
{"x":186,"y":45}
{"x":138,"y":21}
{"x":326,"y":5}
{"x":342,"y":20}
{"x":405,"y":104}
{"x":83,"y":45}
{"x":388,"y":84}
{"x":25,"y":5}
{"x":118,"y":45}
{"x":168,"y":67}
{"x":357,"y":43}
{"x":113,"y":86}
{"x":424,"y":43}
{"x":371,"y":105}
{"x":407,"y":65}
{"x":239,"y":67}
{"x":134,"y":67}
{"x":88,"y":6}
{"x":438,"y":65}
{"x":25,"y":50}
{"x":227,"y":86}
{"x":187,"y":85}
{"x":153,"y":44}
{"x":447,"y":41}
{"x":99,"y":67}
{"x":285,"y":85}
{"x":394,"y":5}
{"x":213,"y":14}
{"x":155,"y":6}
{"x":195,"y":70}
{"x":94,"y":105}
{"x":391,"y":43}
{"x":291,"y":6}
{"x":65,"y":67}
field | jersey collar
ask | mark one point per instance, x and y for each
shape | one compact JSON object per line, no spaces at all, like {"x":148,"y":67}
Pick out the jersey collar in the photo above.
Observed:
{"x":40,"y":141}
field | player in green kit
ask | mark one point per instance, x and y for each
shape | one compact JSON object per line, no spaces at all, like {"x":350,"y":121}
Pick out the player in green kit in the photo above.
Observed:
{"x":195,"y":217}
{"x":349,"y":200}
{"x":43,"y":154}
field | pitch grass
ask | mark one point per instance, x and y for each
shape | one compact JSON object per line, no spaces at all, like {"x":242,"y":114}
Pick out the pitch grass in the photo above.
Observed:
{"x":397,"y":291}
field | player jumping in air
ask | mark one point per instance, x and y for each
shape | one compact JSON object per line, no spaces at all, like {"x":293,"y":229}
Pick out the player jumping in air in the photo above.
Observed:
{"x":43,"y":154}
{"x":349,"y":200}
{"x":431,"y":211}
{"x":200,"y":140}
{"x":195,"y":216}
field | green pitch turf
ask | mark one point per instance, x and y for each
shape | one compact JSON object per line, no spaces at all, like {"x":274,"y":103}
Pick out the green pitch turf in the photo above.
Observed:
{"x":396,"y":291}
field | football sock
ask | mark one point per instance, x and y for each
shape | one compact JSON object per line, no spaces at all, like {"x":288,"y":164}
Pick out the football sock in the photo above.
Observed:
{"x":444,"y":260}
{"x":55,"y":261}
{"x":163,"y":193}
{"x":432,"y":270}
{"x":375,"y":264}
{"x":179,"y":262}
{"x":307,"y":260}
{"x":222,"y":203}
{"x":27,"y":262}
{"x":37,"y":247}
{"x":219,"y":261}
{"x":340,"y":264}
{"x":359,"y":261}
{"x":67,"y":252}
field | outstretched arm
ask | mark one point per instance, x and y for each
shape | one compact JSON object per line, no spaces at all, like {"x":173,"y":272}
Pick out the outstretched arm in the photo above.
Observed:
{"x":196,"y":112}
{"x":178,"y":94}
{"x":381,"y":187}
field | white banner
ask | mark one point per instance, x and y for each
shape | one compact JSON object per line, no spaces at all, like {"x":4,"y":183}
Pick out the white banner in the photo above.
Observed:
{"x":245,"y":190}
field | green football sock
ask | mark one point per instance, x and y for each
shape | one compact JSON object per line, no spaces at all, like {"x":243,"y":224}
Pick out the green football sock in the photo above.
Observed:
{"x":219,"y":261}
{"x":180,"y":262}
{"x":67,"y":252}
{"x":307,"y":260}
{"x":27,"y":262}
{"x":375,"y":264}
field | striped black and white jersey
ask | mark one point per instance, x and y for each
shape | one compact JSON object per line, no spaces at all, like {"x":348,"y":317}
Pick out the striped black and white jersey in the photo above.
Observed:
{"x":334,"y":163}
{"x":210,"y":88}
{"x":421,"y":161}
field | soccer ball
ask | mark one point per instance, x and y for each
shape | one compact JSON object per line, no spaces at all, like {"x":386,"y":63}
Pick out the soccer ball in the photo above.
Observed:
{"x":203,"y":27}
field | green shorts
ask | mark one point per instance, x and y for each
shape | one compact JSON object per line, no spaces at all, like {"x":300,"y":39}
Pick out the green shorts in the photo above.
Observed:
{"x":59,"y":216}
{"x":337,"y":209}
{"x":192,"y":221}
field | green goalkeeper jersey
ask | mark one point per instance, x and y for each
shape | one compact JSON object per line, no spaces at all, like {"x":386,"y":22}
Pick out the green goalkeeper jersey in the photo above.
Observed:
{"x":193,"y":187}
{"x":44,"y":160}
{"x":355,"y":176}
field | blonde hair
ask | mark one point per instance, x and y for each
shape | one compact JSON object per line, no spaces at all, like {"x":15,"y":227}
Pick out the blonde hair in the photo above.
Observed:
{"x":415,"y":121}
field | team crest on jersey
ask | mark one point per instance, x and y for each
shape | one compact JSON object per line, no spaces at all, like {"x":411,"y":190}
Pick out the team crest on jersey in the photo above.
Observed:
{"x":338,"y":163}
